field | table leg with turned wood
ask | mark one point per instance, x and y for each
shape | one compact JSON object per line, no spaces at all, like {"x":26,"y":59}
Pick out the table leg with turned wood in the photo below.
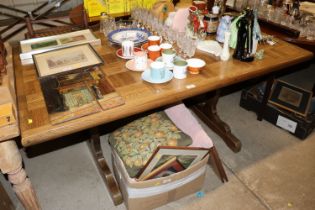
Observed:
{"x":11,"y":164}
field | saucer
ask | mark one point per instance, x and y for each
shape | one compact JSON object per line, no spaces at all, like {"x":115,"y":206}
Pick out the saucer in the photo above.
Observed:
{"x":131,"y":65}
{"x":119,"y":53}
{"x":172,"y":65}
{"x":146,"y":76}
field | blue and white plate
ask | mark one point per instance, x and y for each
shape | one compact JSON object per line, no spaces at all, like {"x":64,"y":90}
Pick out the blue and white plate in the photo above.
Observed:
{"x":146,"y":76}
{"x":136,"y":35}
{"x":170,"y":67}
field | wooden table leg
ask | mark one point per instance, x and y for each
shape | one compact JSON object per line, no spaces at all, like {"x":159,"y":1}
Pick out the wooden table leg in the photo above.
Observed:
{"x":207,"y":112}
{"x":11,"y":164}
{"x":261,"y":112}
{"x":107,"y":175}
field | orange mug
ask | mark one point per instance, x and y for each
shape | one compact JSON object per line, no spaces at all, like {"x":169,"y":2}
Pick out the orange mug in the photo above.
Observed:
{"x":154,"y":40}
{"x":154,"y":52}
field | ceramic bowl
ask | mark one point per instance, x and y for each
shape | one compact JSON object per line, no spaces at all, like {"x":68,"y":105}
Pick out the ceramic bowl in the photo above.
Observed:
{"x":195,"y":65}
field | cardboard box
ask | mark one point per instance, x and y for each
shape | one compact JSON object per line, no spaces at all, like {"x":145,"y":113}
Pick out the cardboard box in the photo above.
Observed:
{"x":94,"y":7}
{"x":153,"y":193}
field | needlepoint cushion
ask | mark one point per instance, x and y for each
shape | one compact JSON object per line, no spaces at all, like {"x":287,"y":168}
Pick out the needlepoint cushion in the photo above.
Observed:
{"x":136,"y":141}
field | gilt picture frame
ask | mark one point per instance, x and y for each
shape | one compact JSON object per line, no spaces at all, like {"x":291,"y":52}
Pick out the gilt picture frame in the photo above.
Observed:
{"x":187,"y":156}
{"x":290,"y":97}
{"x":66,"y":60}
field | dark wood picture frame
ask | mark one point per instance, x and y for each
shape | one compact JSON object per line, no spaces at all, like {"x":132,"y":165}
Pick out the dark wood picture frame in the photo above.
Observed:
{"x":290,"y":97}
{"x":92,"y":59}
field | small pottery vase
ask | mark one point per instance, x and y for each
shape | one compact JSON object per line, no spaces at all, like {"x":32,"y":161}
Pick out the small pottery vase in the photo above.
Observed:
{"x":225,"y":54}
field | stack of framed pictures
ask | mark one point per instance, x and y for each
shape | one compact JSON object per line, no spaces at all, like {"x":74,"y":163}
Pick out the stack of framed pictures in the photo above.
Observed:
{"x":168,"y":160}
{"x":73,"y":86}
{"x":39,"y":45}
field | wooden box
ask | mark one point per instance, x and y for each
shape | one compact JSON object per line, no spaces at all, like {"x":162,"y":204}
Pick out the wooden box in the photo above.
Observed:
{"x":153,"y":193}
{"x":297,"y":125}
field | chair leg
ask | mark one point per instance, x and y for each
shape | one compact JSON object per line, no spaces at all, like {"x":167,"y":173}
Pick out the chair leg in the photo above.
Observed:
{"x":214,"y":157}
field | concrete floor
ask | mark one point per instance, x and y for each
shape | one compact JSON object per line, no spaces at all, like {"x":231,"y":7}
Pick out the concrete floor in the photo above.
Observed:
{"x":274,"y":170}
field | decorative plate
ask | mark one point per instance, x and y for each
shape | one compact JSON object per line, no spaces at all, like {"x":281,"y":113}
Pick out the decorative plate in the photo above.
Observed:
{"x":131,"y":65}
{"x":146,"y":76}
{"x":119,"y":53}
{"x":136,"y":35}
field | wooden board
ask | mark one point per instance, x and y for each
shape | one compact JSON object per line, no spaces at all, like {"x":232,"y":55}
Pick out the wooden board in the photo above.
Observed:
{"x":8,"y":98}
{"x":139,"y":95}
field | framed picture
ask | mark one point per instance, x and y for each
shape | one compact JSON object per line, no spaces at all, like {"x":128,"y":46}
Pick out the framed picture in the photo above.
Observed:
{"x":44,"y":44}
{"x":290,"y":97}
{"x":168,"y":168}
{"x":66,"y":60}
{"x":165,"y":155}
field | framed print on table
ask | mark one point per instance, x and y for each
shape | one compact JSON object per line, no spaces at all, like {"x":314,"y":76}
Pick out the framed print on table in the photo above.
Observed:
{"x":163,"y":155}
{"x":66,"y":59}
{"x":44,"y":44}
{"x":290,"y":97}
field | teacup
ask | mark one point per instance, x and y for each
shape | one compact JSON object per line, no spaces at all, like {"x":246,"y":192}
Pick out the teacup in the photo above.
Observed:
{"x":154,"y":40}
{"x":127,"y":48}
{"x":168,"y":56}
{"x":140,"y":60}
{"x":180,"y":69}
{"x":157,"y":70}
{"x":165,"y":46}
{"x":195,"y":65}
{"x":154,"y":52}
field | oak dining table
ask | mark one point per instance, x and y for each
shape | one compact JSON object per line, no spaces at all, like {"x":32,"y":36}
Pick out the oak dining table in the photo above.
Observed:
{"x":141,"y":96}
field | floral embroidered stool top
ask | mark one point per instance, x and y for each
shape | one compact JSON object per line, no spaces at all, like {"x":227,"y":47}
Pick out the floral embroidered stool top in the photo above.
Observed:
{"x":137,"y":141}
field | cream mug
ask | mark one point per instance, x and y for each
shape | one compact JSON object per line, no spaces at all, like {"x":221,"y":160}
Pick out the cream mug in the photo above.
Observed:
{"x":168,"y":57}
{"x":180,"y":69}
{"x":127,"y":48}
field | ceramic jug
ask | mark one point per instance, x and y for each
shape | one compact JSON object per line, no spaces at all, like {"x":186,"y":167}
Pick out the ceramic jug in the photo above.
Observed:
{"x":224,"y":26}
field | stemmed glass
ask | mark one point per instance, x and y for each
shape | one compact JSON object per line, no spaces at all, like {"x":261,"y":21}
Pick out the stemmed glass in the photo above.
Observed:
{"x":191,"y":48}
